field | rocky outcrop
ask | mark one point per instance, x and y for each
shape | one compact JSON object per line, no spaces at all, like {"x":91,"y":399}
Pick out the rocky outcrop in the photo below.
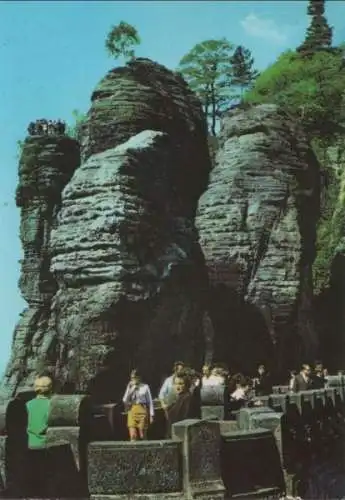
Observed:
{"x":47,"y":163}
{"x":146,"y":96}
{"x":128,"y":273}
{"x":257,"y":230}
{"x":113,"y":271}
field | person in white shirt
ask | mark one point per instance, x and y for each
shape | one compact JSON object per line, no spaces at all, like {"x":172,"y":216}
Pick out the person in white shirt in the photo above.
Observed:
{"x":212,"y":377}
{"x":206,"y":375}
{"x":139,"y":404}
{"x":293,"y":374}
{"x":168,"y":384}
{"x":239,"y":398}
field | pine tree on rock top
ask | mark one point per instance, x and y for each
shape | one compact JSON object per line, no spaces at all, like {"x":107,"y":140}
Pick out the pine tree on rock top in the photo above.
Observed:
{"x":207,"y":69}
{"x":319,"y":34}
{"x":243,"y":72}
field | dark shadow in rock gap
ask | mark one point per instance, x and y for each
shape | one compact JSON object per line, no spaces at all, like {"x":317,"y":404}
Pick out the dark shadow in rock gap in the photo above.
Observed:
{"x":330,"y":318}
{"x":140,"y":338}
{"x":111,"y":380}
{"x":241,"y":337}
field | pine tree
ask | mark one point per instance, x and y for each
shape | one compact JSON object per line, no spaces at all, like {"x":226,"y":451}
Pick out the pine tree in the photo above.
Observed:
{"x":319,"y":34}
{"x":243,"y":73}
{"x":207,"y":69}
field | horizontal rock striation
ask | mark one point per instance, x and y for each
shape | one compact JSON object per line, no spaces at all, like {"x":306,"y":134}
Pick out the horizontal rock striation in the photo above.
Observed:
{"x":46,"y":165}
{"x":257,"y":230}
{"x":144,"y":95}
{"x":128,"y":273}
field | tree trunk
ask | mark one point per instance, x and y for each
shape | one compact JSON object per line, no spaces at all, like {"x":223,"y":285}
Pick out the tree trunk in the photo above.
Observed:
{"x":213,"y":111}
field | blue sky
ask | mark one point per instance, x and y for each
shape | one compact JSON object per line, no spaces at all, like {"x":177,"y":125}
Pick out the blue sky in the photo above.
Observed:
{"x":52,"y":55}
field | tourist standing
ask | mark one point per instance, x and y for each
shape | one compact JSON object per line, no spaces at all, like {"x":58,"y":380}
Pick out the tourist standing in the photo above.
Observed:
{"x":167,"y":386}
{"x":39,"y":460}
{"x":303,"y":381}
{"x":139,"y":404}
{"x":239,"y":397}
{"x":212,"y":377}
{"x":319,"y":380}
{"x":262,"y":384}
{"x":181,"y":403}
{"x":206,"y":374}
{"x":293,"y":374}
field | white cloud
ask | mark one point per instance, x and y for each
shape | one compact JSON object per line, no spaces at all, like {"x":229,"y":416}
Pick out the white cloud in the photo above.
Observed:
{"x":266,"y":29}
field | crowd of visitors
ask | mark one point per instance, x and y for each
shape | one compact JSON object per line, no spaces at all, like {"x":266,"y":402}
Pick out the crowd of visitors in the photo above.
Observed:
{"x":47,"y":127}
{"x":180,"y":397}
{"x":180,"y":394}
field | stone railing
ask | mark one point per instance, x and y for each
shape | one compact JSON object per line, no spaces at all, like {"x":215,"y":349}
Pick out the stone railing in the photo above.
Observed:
{"x":308,"y":426}
{"x":262,"y":454}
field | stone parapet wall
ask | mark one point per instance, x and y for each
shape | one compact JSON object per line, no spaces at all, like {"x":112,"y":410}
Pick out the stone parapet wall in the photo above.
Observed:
{"x":200,"y":460}
{"x":190,"y":466}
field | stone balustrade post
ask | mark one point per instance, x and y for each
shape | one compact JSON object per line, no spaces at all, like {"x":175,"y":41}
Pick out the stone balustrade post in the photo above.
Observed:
{"x":201,"y":443}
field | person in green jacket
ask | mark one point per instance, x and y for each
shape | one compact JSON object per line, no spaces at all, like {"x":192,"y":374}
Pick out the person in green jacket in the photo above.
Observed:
{"x":38,"y":412}
{"x":39,"y":458}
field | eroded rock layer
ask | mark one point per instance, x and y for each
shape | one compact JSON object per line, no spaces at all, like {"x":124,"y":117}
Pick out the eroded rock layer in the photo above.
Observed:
{"x":144,"y":95}
{"x":130,"y":272}
{"x":46,"y":165}
{"x":257,"y":230}
{"x":127,"y":273}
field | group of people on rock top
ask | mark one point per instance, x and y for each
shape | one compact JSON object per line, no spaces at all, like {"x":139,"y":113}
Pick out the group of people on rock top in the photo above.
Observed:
{"x":47,"y":127}
{"x":180,"y":394}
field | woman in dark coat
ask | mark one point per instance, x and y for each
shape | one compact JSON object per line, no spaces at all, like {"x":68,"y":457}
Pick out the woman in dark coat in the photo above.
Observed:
{"x":183,"y":403}
{"x":237,"y":396}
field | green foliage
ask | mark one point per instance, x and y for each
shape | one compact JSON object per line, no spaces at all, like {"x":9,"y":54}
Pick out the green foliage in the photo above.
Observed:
{"x":319,"y":34}
{"x":311,"y":89}
{"x":331,"y":227}
{"x":121,"y":40}
{"x":20,"y":145}
{"x":327,"y":239}
{"x":330,"y":234}
{"x":74,"y":129}
{"x":207,"y":69}
{"x":243,"y":72}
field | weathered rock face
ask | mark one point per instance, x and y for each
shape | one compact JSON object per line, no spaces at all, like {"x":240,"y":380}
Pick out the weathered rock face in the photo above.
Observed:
{"x":113,"y":271}
{"x":257,"y":230}
{"x":130,"y":272}
{"x":129,"y":275}
{"x":46,"y":165}
{"x":146,"y":96}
